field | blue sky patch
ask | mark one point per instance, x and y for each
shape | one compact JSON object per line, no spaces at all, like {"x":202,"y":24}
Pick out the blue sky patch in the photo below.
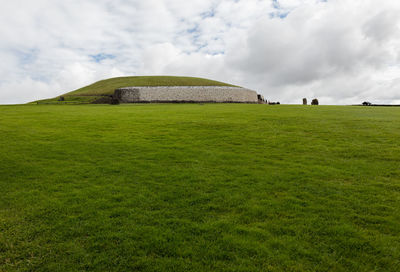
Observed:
{"x":194,"y":29}
{"x":208,"y":14}
{"x":279,"y":12}
{"x":101,"y":56}
{"x":27,"y":56}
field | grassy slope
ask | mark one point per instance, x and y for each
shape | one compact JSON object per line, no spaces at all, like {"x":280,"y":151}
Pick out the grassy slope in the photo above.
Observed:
{"x":72,"y":99}
{"x":107,"y":87}
{"x":191,"y":187}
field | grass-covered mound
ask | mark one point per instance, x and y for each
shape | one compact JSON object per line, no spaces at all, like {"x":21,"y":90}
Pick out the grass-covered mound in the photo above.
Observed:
{"x":107,"y":87}
{"x":190,"y":187}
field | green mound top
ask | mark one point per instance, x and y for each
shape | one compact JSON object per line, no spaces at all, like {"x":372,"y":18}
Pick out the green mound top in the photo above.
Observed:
{"x":95,"y":91}
{"x":108,"y":86}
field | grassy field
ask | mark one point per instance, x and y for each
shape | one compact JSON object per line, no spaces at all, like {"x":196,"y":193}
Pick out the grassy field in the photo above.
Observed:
{"x":107,"y":87}
{"x":215,"y":187}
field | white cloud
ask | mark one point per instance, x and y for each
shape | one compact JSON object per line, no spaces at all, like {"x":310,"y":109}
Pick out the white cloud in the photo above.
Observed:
{"x":342,"y":52}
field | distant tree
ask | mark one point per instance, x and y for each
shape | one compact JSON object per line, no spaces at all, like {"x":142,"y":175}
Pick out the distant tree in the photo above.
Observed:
{"x":314,"y":102}
{"x":61,"y":98}
{"x":365,"y":103}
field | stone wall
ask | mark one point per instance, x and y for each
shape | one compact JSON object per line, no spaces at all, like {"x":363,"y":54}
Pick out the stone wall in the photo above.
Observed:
{"x":186,"y":94}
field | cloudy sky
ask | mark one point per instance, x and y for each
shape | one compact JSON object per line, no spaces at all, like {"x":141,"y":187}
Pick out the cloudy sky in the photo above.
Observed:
{"x":339,"y":51}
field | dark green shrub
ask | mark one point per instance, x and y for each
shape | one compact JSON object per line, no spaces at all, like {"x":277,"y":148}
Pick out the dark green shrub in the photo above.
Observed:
{"x":114,"y":101}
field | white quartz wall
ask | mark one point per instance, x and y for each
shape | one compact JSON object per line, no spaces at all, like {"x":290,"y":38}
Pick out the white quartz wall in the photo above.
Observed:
{"x":186,"y":94}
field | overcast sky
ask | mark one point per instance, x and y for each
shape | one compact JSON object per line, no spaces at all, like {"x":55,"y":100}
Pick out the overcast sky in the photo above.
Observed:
{"x":340,"y":51}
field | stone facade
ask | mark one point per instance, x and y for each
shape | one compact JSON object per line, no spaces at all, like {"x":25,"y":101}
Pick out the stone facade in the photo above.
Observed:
{"x":194,"y":94}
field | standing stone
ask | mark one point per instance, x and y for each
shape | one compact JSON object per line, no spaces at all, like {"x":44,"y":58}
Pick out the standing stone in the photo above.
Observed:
{"x":314,"y":102}
{"x":304,"y":101}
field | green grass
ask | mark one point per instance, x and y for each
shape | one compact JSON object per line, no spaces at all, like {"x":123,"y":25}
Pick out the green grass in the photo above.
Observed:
{"x":215,"y":187}
{"x":72,"y":99}
{"x":93,"y":91}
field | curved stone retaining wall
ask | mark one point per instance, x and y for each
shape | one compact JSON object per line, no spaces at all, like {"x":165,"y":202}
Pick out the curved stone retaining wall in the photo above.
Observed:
{"x":213,"y":94}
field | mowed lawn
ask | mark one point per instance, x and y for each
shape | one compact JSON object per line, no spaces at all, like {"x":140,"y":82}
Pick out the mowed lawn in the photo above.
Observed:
{"x":188,"y":187}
